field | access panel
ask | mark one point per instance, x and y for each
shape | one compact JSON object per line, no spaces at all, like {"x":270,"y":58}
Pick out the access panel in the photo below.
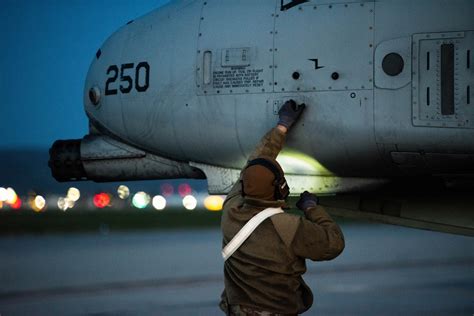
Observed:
{"x":235,"y":47}
{"x":443,"y":79}
{"x":324,"y":47}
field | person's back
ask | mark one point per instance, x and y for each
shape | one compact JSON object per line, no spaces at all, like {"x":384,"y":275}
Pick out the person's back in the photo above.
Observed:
{"x":264,"y":274}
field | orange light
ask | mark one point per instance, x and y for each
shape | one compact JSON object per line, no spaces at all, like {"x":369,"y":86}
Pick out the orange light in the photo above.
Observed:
{"x":38,"y":203}
{"x":214,"y":203}
{"x":184,"y":189}
{"x":101,"y":200}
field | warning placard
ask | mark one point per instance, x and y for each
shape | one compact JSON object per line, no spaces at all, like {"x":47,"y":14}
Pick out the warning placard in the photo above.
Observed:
{"x":237,"y":78}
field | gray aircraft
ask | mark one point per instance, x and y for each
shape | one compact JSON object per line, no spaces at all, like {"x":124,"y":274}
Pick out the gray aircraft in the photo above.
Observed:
{"x":187,"y":91}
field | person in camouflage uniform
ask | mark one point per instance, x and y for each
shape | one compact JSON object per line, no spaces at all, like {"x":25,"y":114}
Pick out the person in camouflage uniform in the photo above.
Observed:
{"x":264,"y":276}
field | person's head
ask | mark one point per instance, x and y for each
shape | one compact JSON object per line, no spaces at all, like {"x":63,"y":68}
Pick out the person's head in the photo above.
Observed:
{"x":264,"y":179}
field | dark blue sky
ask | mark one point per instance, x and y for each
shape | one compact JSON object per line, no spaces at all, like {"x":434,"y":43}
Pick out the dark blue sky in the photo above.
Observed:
{"x":46,"y":50}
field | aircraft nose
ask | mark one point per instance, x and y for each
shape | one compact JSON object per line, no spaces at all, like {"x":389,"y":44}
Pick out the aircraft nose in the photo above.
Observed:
{"x":101,"y":97}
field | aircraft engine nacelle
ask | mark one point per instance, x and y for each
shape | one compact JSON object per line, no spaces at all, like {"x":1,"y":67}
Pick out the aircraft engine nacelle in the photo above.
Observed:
{"x":103,"y":159}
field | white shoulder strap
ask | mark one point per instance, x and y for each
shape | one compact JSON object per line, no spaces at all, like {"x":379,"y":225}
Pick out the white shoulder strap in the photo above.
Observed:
{"x":247,"y":230}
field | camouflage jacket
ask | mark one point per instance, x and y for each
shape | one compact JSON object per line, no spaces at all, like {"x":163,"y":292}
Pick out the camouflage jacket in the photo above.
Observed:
{"x":265,"y":272}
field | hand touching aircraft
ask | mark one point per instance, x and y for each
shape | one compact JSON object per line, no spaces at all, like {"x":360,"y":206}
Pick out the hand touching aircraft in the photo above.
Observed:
{"x":187,"y":91}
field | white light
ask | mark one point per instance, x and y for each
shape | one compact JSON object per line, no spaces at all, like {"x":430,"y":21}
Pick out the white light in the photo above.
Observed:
{"x":3,"y":194}
{"x":69,"y":203}
{"x":39,"y":203}
{"x":73,"y":194}
{"x":159,"y":202}
{"x":141,"y":200}
{"x":123,"y":192}
{"x":62,"y":205}
{"x":189,"y":202}
{"x":11,"y":196}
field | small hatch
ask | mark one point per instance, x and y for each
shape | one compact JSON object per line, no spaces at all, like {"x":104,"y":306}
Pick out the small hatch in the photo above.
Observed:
{"x":236,"y":57}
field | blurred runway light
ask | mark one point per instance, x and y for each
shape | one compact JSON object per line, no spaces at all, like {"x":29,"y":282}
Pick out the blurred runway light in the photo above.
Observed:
{"x":159,"y":202}
{"x":167,"y":189}
{"x":3,"y":194}
{"x":213,"y":203}
{"x":73,"y":194}
{"x":62,"y":204}
{"x":101,"y":200}
{"x":184,"y":189}
{"x":123,"y":192}
{"x":189,"y":202}
{"x":70,"y":203}
{"x":17,"y":204}
{"x":39,"y":203}
{"x":11,"y":196}
{"x":141,"y":200}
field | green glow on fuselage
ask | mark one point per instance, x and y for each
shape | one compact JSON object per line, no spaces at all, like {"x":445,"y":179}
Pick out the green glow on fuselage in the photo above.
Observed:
{"x":295,"y":162}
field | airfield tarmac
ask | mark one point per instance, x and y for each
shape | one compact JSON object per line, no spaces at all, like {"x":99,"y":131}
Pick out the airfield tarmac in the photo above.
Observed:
{"x":384,"y":270}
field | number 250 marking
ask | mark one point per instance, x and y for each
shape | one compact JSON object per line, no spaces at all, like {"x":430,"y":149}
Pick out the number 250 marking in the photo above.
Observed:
{"x":126,"y":80}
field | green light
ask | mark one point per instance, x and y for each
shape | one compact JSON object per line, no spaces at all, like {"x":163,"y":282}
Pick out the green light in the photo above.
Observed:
{"x":141,"y":200}
{"x":304,"y":173}
{"x":294,"y":162}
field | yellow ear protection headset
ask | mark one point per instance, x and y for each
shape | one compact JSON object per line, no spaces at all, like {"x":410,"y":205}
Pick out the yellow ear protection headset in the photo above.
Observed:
{"x":281,"y":187}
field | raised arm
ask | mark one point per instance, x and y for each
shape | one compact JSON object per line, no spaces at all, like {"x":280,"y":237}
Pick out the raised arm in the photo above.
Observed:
{"x":271,"y":144}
